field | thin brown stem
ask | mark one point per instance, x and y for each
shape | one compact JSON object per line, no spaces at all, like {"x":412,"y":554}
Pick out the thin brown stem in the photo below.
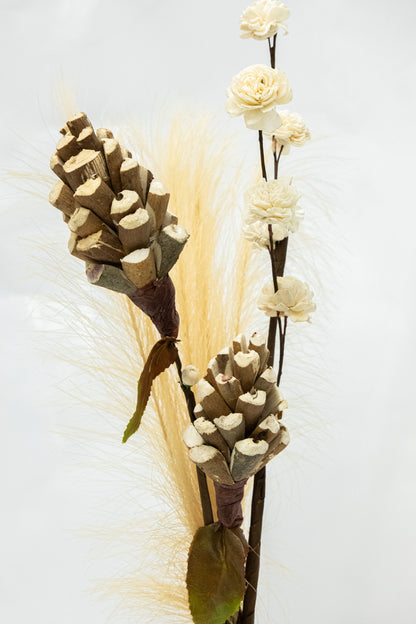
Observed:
{"x":271,"y":250}
{"x":278,"y":258}
{"x":278,"y":253}
{"x":282,"y":335}
{"x":202,"y":480}
{"x":205,"y":497}
{"x":276,"y":162}
{"x":272,"y":50}
{"x":254,"y":541}
{"x":271,"y":339}
{"x":262,"y":159}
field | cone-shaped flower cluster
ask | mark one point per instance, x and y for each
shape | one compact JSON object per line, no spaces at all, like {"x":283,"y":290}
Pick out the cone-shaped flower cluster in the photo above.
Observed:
{"x":238,"y":425}
{"x":118,"y":217}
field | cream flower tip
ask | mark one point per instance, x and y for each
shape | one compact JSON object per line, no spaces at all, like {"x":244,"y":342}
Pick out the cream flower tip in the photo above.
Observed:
{"x":190,"y":375}
{"x":263,"y":19}
{"x":255,"y":92}
{"x":293,"y":298}
{"x":271,"y":203}
{"x":291,"y":131}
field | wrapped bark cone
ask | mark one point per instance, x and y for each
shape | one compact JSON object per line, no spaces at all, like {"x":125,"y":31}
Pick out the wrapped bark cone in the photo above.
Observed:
{"x":157,"y":300}
{"x":118,"y":217}
{"x":238,"y":427}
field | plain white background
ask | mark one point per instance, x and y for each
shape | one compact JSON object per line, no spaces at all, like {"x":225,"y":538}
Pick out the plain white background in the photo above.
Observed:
{"x":343,"y":535}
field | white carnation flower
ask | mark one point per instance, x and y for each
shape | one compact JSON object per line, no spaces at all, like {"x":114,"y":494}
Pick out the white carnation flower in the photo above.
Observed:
{"x":291,"y":131}
{"x":274,"y":202}
{"x":272,"y":199}
{"x":293,"y":298}
{"x":254,"y":93}
{"x":263,"y":18}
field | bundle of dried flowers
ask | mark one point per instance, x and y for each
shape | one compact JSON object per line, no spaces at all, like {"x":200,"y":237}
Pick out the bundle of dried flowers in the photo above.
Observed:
{"x":120,"y":226}
{"x":272,"y":214}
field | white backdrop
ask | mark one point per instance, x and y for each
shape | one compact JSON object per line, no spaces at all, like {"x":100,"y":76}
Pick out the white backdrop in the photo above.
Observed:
{"x":345,"y":533}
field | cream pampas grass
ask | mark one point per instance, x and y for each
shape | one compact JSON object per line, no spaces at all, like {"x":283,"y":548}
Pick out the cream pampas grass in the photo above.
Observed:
{"x":212,"y":303}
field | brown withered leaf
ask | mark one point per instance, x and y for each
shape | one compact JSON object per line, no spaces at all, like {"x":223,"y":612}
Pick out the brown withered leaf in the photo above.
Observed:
{"x":215,"y":577}
{"x":163,"y":354}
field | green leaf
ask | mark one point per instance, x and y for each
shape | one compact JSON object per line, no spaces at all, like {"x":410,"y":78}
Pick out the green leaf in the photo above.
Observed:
{"x":215,"y":577}
{"x":163,"y":354}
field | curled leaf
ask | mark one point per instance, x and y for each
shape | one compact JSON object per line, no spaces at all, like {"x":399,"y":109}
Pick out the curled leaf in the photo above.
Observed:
{"x":163,"y":354}
{"x":215,"y":577}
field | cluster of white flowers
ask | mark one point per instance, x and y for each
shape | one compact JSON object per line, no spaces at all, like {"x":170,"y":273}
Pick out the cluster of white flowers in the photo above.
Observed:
{"x":271,"y":202}
{"x":255,"y":92}
{"x":272,"y":211}
{"x":293,"y":298}
{"x":291,"y":131}
{"x":263,"y":18}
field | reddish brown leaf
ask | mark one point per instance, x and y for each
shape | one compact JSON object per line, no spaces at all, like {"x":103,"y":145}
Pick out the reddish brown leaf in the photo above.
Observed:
{"x":163,"y":354}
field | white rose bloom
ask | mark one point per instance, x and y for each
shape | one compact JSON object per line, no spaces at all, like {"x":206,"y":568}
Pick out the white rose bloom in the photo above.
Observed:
{"x":275,"y":202}
{"x":254,"y":93}
{"x":263,"y":18}
{"x":291,"y":131}
{"x":293,"y":298}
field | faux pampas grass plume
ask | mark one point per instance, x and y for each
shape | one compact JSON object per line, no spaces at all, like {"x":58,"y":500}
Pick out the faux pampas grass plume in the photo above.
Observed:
{"x":212,"y":303}
{"x":193,"y":159}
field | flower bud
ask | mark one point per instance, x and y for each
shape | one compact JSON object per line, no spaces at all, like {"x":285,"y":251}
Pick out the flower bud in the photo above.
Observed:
{"x":190,"y":375}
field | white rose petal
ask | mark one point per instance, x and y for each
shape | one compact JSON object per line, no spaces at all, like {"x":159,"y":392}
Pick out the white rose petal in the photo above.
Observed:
{"x":256,"y":91}
{"x":263,"y":18}
{"x":258,"y":120}
{"x":293,"y":298}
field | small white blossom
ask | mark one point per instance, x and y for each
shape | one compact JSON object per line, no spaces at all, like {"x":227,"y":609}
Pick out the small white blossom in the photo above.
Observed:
{"x":258,"y":233}
{"x":263,"y":18}
{"x":190,"y":375}
{"x":292,"y":131}
{"x":293,"y":298}
{"x":273,"y":202}
{"x":254,"y":93}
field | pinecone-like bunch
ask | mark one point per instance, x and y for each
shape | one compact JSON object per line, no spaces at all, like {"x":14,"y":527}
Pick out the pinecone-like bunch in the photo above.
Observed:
{"x":117,"y":214}
{"x":238,"y":426}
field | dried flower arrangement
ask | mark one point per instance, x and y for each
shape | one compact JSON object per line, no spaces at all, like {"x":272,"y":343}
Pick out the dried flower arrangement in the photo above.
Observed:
{"x":120,"y":225}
